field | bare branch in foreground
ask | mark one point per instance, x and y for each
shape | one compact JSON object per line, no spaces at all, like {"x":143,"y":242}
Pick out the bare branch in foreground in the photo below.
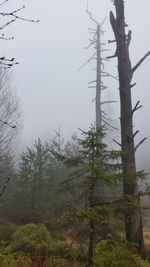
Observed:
{"x":140,"y":62}
{"x":135,"y":133}
{"x":117,"y":142}
{"x":136,"y":107}
{"x":140,"y":143}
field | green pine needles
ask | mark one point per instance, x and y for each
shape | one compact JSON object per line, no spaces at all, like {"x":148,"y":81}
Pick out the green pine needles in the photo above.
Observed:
{"x":95,"y":174}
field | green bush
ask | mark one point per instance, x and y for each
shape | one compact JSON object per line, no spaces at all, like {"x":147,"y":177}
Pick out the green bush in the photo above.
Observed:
{"x":6,"y":230}
{"x":32,"y":240}
{"x":147,"y":249}
{"x":59,"y":249}
{"x":144,"y":264}
{"x":116,"y":254}
{"x":81,"y":254}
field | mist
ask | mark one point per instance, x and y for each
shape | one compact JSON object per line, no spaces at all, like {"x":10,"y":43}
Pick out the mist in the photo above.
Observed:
{"x":52,"y":91}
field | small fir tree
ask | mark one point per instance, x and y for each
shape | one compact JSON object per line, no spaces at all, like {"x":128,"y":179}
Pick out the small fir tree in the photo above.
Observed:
{"x":89,"y":210}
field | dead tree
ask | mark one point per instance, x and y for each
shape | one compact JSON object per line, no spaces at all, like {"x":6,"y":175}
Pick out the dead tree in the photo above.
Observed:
{"x":133,"y":218}
{"x":101,"y":118}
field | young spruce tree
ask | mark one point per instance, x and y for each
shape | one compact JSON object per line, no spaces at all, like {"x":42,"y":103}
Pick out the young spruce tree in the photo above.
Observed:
{"x":93,"y":162}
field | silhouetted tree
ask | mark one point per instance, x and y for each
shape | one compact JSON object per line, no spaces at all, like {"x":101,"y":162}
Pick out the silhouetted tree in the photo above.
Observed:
{"x":32,"y":185}
{"x":133,"y":219}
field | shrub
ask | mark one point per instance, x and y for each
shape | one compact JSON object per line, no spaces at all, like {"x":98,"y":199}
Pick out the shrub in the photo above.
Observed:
{"x":59,"y":249}
{"x":116,"y":254}
{"x":81,"y":254}
{"x":32,"y":240}
{"x":6,"y":230}
{"x":144,"y":264}
{"x":147,"y":248}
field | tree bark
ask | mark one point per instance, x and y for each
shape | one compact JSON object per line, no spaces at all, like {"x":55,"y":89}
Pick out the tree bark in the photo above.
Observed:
{"x":133,"y":218}
{"x":98,"y":82}
{"x":91,"y":243}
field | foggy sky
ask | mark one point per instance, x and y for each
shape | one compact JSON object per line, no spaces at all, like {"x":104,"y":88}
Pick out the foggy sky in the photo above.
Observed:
{"x":51,"y":89}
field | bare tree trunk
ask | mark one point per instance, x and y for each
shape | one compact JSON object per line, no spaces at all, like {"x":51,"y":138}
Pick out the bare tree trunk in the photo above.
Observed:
{"x":99,"y":120}
{"x":91,"y":243}
{"x":91,"y":206}
{"x":133,"y":218}
{"x":98,"y":81}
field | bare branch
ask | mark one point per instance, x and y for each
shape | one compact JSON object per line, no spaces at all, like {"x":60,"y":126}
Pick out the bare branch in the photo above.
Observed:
{"x":92,"y":42}
{"x":91,"y":58}
{"x":110,"y":125}
{"x":3,"y":2}
{"x":106,"y":118}
{"x":103,"y":112}
{"x":91,"y":86}
{"x":5,"y":122}
{"x":111,"y":41}
{"x":135,"y":133}
{"x":90,"y":15}
{"x":140,"y":143}
{"x":7,"y":23}
{"x":132,"y":85}
{"x":105,"y":50}
{"x":117,"y":143}
{"x":136,"y":107}
{"x":2,"y":37}
{"x":106,"y":74}
{"x":107,"y":102}
{"x":92,"y":82}
{"x":94,"y":30}
{"x":93,"y":100}
{"x":10,"y":18}
{"x":115,"y":55}
{"x":140,"y":62}
{"x":7,"y":63}
{"x":103,"y":87}
{"x":105,"y":59}
{"x":103,"y":23}
{"x":15,"y":17}
{"x":4,"y":188}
